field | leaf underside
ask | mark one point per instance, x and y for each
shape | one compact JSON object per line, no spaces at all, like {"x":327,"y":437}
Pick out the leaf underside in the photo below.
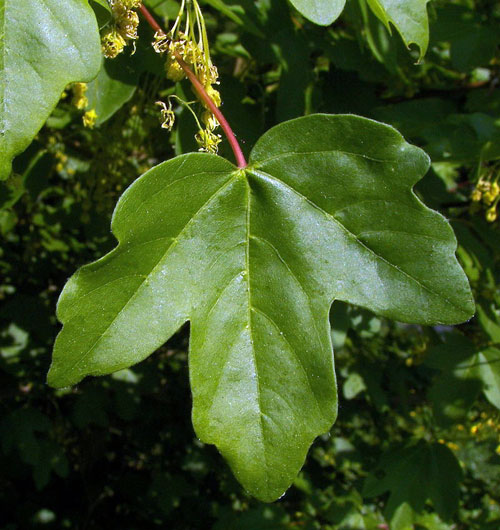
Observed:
{"x":253,"y":259}
{"x":322,"y":12}
{"x":43,"y":47}
{"x":408,"y":16}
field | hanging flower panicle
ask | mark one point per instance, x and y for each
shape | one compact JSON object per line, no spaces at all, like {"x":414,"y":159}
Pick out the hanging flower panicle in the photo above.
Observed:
{"x":122,"y":28}
{"x":191,"y":45}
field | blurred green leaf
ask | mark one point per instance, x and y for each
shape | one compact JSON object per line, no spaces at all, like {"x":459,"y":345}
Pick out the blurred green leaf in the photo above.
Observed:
{"x":412,"y":475}
{"x":33,"y":78}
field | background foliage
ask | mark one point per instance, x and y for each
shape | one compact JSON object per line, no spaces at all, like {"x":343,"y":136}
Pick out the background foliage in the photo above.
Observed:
{"x":417,"y":441}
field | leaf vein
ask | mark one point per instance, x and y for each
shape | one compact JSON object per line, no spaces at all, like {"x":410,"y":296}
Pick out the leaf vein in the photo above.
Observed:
{"x":201,"y":209}
{"x":353,"y":236}
{"x":293,"y":351}
{"x":331,"y":151}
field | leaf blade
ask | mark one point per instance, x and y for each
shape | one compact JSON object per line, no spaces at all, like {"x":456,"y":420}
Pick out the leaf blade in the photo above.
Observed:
{"x":37,"y":61}
{"x":321,"y":12}
{"x":258,"y":258}
{"x":289,"y":156}
{"x":409,"y":18}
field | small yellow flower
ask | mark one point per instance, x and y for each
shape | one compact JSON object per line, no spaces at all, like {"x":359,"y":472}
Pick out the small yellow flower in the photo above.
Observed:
{"x":214,"y":95}
{"x":208,"y":141}
{"x":491,"y":214}
{"x":174,"y":70}
{"x":488,"y":197}
{"x":167,"y":115}
{"x":192,"y":54}
{"x":474,"y":429}
{"x":127,"y":24}
{"x":132,"y":4}
{"x":483,"y":185}
{"x":161,"y":42}
{"x":112,"y":43}
{"x":90,"y":118}
{"x":79,"y":100}
{"x":476,"y":195}
{"x":209,"y":120}
{"x":453,"y":446}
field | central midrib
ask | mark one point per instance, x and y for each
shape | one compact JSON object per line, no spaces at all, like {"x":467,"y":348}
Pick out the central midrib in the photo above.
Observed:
{"x":249,"y":320}
{"x":3,"y":26}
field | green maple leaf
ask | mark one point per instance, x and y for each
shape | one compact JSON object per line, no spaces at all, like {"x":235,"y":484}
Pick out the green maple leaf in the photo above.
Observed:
{"x":43,"y":47}
{"x":254,"y":258}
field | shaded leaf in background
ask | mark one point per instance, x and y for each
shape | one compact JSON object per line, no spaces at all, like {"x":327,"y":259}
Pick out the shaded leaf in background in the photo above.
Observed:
{"x":324,"y":211}
{"x":408,"y":16}
{"x":112,"y":88}
{"x":412,"y":475}
{"x":32,"y":77}
{"x":443,"y":133}
{"x":102,"y":11}
{"x":24,"y":432}
{"x":455,"y":387}
{"x":472,"y":40}
{"x":486,"y":365}
{"x":464,"y":370}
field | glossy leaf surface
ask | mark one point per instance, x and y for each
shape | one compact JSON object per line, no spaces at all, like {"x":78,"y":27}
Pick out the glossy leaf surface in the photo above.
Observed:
{"x":253,"y":259}
{"x":322,"y":12}
{"x":43,"y":47}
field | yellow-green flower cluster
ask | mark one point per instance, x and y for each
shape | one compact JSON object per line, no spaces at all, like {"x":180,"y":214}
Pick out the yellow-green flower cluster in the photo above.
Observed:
{"x":485,"y":427}
{"x":191,"y":47}
{"x":122,"y":28}
{"x":90,"y":118}
{"x":79,"y":99}
{"x":208,"y":141}
{"x":487,"y":192}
